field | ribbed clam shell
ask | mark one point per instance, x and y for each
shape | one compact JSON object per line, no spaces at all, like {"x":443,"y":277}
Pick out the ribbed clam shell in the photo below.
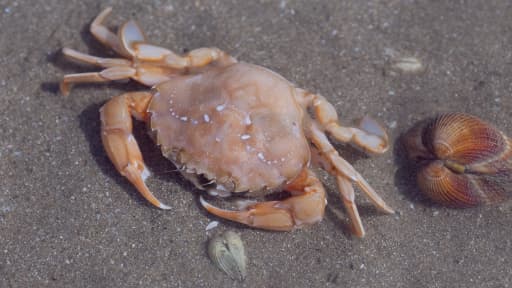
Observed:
{"x":465,"y":139}
{"x":461,"y":190}
{"x":468,"y":161}
{"x":228,"y":254}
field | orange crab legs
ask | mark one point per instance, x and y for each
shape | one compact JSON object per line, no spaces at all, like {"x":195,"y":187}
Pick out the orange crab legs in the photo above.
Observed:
{"x":118,"y":140}
{"x":145,"y":63}
{"x":305,"y":206}
{"x":369,"y":136}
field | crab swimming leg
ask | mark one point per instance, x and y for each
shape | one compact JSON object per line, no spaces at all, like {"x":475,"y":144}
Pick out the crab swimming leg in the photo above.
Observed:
{"x":369,"y":136}
{"x":305,"y":206}
{"x":131,"y":42}
{"x":104,"y":35}
{"x":118,"y":140}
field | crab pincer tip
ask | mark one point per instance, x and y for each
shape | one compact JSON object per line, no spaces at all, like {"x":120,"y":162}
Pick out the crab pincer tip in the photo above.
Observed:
{"x":164,"y":207}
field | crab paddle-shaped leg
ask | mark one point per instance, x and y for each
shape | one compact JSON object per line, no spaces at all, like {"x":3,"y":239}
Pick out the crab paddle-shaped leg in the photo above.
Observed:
{"x":230,"y":127}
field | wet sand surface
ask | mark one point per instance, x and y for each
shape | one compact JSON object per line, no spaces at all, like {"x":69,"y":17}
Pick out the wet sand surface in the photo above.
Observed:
{"x":68,"y":219}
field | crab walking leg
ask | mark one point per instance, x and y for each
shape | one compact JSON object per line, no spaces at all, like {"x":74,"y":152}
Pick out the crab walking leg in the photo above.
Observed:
{"x":340,"y":167}
{"x":196,"y":58}
{"x":344,"y":187}
{"x":93,"y":60}
{"x":134,"y":42}
{"x":305,"y":206}
{"x":118,"y":140}
{"x":348,"y":197}
{"x":107,"y":75}
{"x":370,"y":136}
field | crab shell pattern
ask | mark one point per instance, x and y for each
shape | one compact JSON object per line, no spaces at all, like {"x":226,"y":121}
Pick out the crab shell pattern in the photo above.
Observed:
{"x":240,"y":127}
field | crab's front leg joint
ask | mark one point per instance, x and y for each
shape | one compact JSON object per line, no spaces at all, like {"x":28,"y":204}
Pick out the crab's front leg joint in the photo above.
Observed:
{"x":119,"y":143}
{"x":305,"y":206}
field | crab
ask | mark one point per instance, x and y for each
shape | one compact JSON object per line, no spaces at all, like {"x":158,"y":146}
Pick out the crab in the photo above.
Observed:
{"x":230,"y":127}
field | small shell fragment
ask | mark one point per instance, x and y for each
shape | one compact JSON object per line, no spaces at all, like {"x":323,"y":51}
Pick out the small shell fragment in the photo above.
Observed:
{"x":227,"y":253}
{"x":212,"y":225}
{"x":408,"y":65}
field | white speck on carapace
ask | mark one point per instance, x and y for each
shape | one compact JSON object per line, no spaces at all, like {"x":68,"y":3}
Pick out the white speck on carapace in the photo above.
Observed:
{"x":206,"y":118}
{"x":184,"y":118}
{"x":245,"y":136}
{"x":261,"y":156}
{"x":247,"y":120}
{"x":194,"y":121}
{"x":217,"y":139}
{"x":220,"y":107}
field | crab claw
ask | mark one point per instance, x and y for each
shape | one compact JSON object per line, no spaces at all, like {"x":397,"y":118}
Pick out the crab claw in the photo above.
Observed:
{"x":305,"y":206}
{"x":265,"y":215}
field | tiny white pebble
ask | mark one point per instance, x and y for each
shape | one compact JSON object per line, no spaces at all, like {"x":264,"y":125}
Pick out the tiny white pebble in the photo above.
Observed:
{"x":206,"y":118}
{"x":245,"y":136}
{"x":212,"y":225}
